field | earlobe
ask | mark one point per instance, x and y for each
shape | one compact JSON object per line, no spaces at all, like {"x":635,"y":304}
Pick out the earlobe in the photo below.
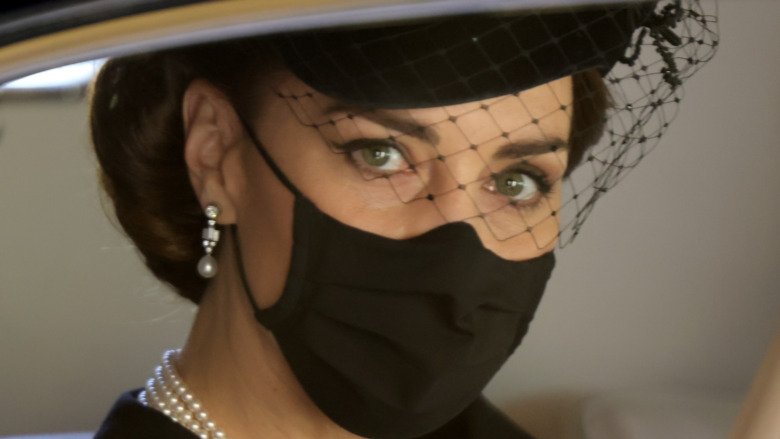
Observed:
{"x":211,"y":130}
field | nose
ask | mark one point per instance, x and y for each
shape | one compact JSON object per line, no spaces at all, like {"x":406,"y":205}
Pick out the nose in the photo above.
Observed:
{"x":452,"y":181}
{"x":443,"y":193}
{"x":456,"y":205}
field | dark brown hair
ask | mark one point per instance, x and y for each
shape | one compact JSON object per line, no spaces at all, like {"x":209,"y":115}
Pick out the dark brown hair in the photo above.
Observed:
{"x":138,"y":135}
{"x":591,"y":101}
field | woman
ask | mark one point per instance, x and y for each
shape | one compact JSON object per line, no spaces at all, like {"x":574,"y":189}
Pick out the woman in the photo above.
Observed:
{"x":380,"y":209}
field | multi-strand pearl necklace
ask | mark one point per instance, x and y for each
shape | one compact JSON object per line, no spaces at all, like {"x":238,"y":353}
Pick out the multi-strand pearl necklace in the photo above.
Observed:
{"x":166,"y":392}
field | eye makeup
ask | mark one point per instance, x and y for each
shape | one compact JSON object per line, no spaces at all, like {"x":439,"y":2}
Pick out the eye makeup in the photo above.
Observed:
{"x":372,"y":164}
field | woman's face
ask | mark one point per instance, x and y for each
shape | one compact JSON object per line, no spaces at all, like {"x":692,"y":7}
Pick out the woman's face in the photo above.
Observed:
{"x":495,"y":164}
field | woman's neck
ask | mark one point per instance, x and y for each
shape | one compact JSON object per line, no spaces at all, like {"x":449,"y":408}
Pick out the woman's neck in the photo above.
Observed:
{"x":234,"y":366}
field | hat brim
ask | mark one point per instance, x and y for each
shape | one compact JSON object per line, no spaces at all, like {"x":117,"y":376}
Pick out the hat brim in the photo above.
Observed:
{"x":36,"y":38}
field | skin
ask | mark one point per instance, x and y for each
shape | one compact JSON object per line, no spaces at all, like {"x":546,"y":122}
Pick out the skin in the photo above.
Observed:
{"x":231,"y":362}
{"x":758,"y":418}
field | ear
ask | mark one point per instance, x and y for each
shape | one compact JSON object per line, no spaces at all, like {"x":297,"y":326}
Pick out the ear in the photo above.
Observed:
{"x":212,"y":131}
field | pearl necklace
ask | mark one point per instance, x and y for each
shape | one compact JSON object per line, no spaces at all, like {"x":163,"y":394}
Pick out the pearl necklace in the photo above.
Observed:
{"x":166,"y":392}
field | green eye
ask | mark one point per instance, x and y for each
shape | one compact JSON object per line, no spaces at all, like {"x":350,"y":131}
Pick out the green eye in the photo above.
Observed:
{"x":381,"y":157}
{"x":516,"y":185}
{"x":376,"y":156}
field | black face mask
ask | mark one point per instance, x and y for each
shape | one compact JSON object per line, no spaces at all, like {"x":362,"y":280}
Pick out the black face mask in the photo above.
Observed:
{"x":393,"y":338}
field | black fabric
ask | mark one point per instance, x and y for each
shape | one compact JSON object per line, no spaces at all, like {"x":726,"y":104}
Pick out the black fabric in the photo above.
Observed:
{"x":463,"y":58}
{"x":129,"y":419}
{"x":393,"y":338}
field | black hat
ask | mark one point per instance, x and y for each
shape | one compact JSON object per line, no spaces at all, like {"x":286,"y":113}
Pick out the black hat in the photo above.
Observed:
{"x":462,"y":58}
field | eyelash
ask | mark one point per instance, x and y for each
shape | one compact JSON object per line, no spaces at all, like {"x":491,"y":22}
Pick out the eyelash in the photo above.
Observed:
{"x":352,"y":146}
{"x":539,"y":177}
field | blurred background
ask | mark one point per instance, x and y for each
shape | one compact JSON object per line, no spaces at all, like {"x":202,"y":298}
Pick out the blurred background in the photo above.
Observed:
{"x":671,"y":288}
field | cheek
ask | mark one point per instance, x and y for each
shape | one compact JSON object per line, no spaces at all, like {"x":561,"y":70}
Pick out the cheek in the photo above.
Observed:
{"x":541,"y":239}
{"x":545,"y":220}
{"x":264,"y":224}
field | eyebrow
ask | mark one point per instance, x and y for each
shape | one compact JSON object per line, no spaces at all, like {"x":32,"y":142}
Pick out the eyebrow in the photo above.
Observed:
{"x":514,"y":150}
{"x":518,"y":150}
{"x":402,"y":124}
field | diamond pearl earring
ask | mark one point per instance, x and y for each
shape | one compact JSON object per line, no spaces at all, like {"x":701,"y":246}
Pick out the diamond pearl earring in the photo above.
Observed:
{"x":207,"y":266}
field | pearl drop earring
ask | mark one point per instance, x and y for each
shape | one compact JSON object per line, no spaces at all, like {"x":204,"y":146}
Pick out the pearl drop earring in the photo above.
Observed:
{"x":207,"y":266}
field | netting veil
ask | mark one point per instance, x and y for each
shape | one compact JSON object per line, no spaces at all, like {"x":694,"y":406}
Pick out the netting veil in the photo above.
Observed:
{"x":516,"y":122}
